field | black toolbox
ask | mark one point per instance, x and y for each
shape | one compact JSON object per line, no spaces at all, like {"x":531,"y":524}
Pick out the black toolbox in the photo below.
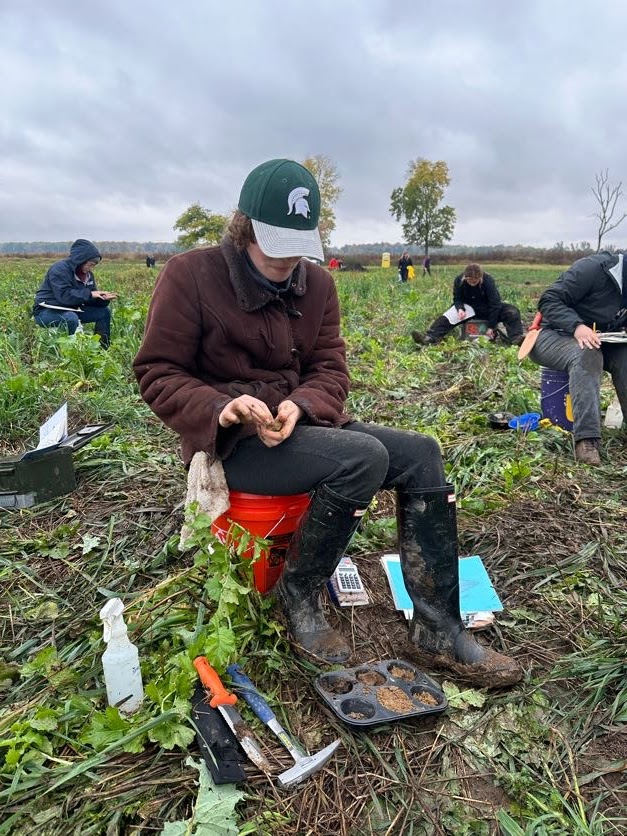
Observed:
{"x":41,"y":475}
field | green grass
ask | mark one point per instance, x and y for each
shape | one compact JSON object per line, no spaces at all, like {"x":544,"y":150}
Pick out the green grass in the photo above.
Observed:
{"x":546,"y":757}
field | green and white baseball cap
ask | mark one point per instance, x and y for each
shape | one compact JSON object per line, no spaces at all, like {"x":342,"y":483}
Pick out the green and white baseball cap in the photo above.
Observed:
{"x":282,"y":199}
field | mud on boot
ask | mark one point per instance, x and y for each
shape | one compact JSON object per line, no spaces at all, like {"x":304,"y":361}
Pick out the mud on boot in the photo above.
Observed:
{"x":427,"y":529}
{"x":314,"y":552}
{"x":310,"y":632}
{"x":457,"y":650}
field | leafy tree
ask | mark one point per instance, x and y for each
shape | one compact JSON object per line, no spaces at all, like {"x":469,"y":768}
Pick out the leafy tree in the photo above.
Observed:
{"x":426,"y":223}
{"x":607,"y":196}
{"x":199,"y":227}
{"x":326,"y":174}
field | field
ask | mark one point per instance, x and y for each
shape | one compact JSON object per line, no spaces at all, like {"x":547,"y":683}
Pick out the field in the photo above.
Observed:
{"x":546,"y":757}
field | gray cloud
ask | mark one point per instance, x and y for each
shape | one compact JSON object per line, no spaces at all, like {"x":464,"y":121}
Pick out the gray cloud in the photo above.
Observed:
{"x":114,"y":117}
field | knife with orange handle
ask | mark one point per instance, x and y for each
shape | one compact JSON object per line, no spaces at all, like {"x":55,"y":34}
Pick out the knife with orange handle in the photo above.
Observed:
{"x":224,"y":702}
{"x":530,"y":339}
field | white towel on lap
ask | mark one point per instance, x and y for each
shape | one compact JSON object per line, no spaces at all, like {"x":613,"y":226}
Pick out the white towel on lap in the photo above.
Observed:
{"x":206,"y":485}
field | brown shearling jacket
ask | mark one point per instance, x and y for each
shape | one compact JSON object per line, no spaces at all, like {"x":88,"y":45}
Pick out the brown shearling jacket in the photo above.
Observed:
{"x":213,"y":333}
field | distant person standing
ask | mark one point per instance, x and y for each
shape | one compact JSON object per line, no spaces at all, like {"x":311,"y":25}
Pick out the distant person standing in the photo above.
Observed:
{"x":426,"y":265}
{"x":403,"y":263}
{"x":68,"y":294}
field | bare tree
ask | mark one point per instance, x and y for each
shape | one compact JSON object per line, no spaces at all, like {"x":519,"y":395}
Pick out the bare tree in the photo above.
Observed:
{"x":607,"y":196}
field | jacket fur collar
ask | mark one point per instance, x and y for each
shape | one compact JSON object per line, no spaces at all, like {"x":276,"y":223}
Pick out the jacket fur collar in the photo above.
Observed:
{"x":250,"y":295}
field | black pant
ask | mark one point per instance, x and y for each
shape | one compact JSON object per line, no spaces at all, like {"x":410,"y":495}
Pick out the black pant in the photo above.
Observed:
{"x":355,"y":462}
{"x":509,"y":315}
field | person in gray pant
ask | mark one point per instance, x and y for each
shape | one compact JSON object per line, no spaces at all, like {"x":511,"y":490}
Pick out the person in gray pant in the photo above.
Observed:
{"x":588,"y":300}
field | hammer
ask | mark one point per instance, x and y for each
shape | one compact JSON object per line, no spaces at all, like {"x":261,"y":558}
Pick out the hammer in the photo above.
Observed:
{"x":304,"y":765}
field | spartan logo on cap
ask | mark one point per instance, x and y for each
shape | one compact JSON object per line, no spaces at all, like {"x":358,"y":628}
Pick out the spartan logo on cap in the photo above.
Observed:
{"x":296,"y":202}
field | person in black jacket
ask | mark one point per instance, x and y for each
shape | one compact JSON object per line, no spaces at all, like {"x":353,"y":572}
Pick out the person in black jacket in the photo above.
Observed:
{"x":68,"y":295}
{"x":403,"y":263}
{"x":587,"y":300}
{"x":475,"y":289}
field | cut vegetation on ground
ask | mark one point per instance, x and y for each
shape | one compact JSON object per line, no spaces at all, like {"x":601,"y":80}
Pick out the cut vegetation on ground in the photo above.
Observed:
{"x":546,"y":757}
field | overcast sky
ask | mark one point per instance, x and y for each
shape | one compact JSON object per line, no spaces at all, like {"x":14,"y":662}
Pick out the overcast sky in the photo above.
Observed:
{"x":115,"y":115}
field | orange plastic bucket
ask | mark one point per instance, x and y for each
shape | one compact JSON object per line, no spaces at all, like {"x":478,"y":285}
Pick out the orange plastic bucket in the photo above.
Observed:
{"x":273,"y":518}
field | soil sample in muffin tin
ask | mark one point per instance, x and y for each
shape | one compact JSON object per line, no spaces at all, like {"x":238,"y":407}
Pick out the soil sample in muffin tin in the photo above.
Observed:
{"x":426,"y":698}
{"x":399,"y":672}
{"x":394,"y":699}
{"x":370,"y":677}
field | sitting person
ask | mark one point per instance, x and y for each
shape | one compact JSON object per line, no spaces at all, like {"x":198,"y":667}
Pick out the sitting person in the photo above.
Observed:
{"x":68,"y":295}
{"x":242,"y":356}
{"x":586,"y":300}
{"x":478,"y":290}
{"x":334,"y":263}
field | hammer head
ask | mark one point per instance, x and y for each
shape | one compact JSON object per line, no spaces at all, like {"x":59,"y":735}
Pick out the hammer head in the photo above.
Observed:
{"x":307,"y":765}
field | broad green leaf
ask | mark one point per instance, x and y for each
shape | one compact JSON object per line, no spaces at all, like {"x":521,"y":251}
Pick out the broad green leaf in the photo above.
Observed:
{"x":89,"y":543}
{"x":214,"y":811}
{"x":44,"y":719}
{"x":172,"y":733}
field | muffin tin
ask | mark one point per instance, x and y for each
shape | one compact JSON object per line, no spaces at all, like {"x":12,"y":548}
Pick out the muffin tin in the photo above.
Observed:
{"x":380,"y":692}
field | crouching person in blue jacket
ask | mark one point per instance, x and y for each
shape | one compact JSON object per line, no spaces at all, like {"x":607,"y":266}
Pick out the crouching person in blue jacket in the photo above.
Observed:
{"x":68,"y":295}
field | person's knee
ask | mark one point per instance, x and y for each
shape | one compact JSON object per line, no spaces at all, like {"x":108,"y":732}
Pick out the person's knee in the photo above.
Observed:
{"x":365,"y":466}
{"x":422,"y":448}
{"x":373,"y":457}
{"x":509,"y":314}
{"x":104,"y":315}
{"x":71,"y":321}
{"x":589,"y":361}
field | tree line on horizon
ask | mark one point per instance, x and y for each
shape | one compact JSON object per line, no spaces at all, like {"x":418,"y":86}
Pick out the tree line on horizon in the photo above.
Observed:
{"x":418,"y":204}
{"x":366,"y":254}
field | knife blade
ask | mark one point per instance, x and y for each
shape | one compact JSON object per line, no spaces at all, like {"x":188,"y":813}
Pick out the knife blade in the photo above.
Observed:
{"x":224,"y":702}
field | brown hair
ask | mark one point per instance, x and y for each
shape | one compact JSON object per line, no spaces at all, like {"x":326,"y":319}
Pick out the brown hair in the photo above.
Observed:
{"x":473,"y":271}
{"x":240,"y":230}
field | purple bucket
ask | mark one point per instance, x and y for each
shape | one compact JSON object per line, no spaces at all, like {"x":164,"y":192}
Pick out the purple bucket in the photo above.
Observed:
{"x":555,"y":401}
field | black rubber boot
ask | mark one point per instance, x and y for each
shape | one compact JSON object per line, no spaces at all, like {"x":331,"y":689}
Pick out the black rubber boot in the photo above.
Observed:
{"x":427,"y":529}
{"x":435,"y":333}
{"x":315,"y":550}
{"x":422,"y":339}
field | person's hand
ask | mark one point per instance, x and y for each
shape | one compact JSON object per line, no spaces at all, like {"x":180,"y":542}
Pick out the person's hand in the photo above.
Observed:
{"x":586,"y":337}
{"x":245,"y":410}
{"x":461,"y":313}
{"x":490,"y":333}
{"x":281,"y":427}
{"x":103,"y":294}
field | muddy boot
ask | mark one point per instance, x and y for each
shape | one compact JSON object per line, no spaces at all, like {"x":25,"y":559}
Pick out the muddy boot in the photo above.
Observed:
{"x":315,"y":550}
{"x":427,"y":529}
{"x":587,"y":451}
{"x":422,"y":339}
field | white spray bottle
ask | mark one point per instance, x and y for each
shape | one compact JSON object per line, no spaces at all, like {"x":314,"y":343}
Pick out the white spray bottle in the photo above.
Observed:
{"x":120,"y":661}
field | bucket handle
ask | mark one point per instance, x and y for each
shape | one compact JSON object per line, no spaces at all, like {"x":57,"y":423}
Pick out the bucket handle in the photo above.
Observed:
{"x":277,"y":523}
{"x":556,"y":392}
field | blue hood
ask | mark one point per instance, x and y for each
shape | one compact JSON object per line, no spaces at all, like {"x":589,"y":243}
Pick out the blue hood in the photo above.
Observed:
{"x":82,"y":251}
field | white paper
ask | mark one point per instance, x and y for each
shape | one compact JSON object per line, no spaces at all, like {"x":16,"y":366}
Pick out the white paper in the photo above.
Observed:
{"x":453,"y":316}
{"x":54,"y":429}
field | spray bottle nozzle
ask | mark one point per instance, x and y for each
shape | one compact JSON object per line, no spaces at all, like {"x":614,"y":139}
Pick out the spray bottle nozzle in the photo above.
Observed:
{"x":111,"y":616}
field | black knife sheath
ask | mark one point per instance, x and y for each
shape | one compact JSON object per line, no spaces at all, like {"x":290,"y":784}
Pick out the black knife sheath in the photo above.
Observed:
{"x":217,"y":743}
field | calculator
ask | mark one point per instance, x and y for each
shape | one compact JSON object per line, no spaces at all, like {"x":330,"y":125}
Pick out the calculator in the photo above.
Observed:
{"x":347,"y":576}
